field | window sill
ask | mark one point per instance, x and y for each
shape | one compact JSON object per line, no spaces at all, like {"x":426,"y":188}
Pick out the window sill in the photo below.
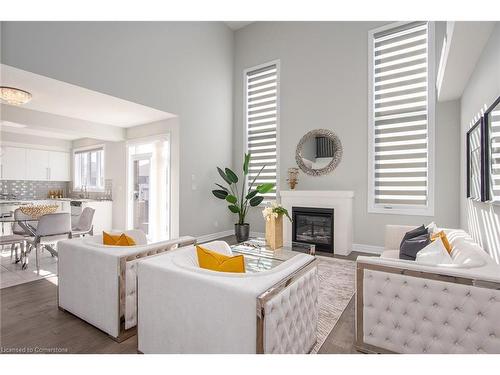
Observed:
{"x":79,"y":190}
{"x":409,"y":211}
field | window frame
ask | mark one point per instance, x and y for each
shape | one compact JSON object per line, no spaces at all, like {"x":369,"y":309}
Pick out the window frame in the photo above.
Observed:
{"x":428,"y":209}
{"x":489,"y":195}
{"x":277,"y":63}
{"x":96,"y":147}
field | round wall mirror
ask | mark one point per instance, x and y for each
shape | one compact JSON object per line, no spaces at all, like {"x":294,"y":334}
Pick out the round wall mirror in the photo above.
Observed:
{"x":318,"y":152}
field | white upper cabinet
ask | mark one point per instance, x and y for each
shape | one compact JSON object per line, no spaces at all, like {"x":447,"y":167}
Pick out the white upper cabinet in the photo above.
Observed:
{"x":59,"y":166}
{"x":13,"y":165}
{"x":37,"y":165}
{"x":19,"y":163}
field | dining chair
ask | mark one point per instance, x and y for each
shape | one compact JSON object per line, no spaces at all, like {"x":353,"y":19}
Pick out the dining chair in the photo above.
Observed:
{"x":17,"y":229}
{"x":15,"y":241}
{"x":84,"y":225}
{"x":51,"y":229}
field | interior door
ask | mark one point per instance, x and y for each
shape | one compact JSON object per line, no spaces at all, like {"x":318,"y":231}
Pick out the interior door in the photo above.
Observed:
{"x":141,"y":170}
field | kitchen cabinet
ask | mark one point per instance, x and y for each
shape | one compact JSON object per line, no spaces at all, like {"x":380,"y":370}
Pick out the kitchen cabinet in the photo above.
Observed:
{"x":37,"y":165}
{"x":59,"y":166}
{"x":13,"y":165}
{"x":19,"y":163}
{"x":102,"y":220}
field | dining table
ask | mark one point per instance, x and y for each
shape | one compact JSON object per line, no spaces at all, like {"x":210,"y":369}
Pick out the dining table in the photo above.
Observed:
{"x":27,"y":225}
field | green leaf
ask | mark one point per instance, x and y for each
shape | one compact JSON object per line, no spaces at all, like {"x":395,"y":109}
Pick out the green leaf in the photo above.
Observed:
{"x":233,"y":208}
{"x":231,"y":175}
{"x":245,"y":163}
{"x":223,"y":187}
{"x":223,"y":175}
{"x":231,"y":198}
{"x":221,"y":194}
{"x":255,"y":201}
{"x":265,"y":188}
{"x":251,"y":194}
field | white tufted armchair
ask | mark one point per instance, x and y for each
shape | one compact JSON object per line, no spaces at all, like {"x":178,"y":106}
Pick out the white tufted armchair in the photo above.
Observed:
{"x":407,"y":307}
{"x":186,"y":309}
{"x":98,"y":283}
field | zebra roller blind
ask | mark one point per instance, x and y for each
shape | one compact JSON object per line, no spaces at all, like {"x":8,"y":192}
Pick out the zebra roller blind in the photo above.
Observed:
{"x":261,"y":114}
{"x":399,"y":116}
{"x":493,"y":123}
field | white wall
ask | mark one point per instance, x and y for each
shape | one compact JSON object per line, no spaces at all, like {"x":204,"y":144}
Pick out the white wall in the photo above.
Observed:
{"x":178,"y":67}
{"x":324,"y":84}
{"x":482,"y":220}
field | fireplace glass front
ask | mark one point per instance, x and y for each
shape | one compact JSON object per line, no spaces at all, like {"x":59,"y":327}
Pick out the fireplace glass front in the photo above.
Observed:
{"x":314,"y":226}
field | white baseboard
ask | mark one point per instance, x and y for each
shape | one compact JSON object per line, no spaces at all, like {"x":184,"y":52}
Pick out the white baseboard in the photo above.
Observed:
{"x":355,"y":246}
{"x":214,"y":236}
{"x":230,"y":232}
{"x":367,"y":248}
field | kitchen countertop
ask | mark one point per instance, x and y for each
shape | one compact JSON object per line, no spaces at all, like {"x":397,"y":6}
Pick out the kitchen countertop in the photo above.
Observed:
{"x":26,"y":201}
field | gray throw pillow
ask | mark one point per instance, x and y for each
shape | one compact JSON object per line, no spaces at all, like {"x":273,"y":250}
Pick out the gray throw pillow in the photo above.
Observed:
{"x":411,"y":246}
{"x":418,"y":231}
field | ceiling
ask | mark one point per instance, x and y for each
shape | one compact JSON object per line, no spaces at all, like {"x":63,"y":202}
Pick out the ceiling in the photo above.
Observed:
{"x":63,"y":99}
{"x":462,"y":48}
{"x":236,"y":25}
{"x":10,"y":127}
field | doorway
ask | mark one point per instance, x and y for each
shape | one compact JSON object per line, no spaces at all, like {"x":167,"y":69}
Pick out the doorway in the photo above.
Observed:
{"x":149,"y":187}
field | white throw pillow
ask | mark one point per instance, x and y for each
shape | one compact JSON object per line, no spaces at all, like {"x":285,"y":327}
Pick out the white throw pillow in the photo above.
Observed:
{"x":432,"y":228}
{"x":434,"y":253}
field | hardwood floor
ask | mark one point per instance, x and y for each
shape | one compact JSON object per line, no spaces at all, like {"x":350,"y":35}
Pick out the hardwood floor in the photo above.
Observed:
{"x":31,"y":322}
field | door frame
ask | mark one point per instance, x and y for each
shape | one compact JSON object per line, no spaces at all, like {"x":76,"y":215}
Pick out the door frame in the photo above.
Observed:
{"x":172,"y":174}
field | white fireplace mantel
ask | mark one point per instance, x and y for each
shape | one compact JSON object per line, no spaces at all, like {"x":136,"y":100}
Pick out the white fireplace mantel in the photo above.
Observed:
{"x":340,"y":200}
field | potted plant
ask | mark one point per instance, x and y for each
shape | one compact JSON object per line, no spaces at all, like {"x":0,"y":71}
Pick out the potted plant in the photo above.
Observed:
{"x":241,"y":199}
{"x":274,"y":224}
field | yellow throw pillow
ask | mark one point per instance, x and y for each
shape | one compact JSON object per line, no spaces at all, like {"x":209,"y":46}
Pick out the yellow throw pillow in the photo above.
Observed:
{"x":109,"y":239}
{"x":443,"y":237}
{"x":214,"y":261}
{"x":117,"y":239}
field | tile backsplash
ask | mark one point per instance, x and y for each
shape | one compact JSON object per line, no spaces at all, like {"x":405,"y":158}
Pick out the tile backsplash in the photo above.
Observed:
{"x":32,"y":189}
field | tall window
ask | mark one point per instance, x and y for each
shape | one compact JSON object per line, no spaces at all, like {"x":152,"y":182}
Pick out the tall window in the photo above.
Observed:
{"x":401,"y":110}
{"x":262,"y":119}
{"x":88,"y":169}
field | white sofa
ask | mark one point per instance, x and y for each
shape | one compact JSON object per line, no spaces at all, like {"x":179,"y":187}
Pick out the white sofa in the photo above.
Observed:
{"x":186,"y":309}
{"x":408,"y":307}
{"x":97,"y":283}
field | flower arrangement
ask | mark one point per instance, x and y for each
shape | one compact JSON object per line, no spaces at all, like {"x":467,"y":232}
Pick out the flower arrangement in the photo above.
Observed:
{"x":274,"y":211}
{"x":273,"y":214}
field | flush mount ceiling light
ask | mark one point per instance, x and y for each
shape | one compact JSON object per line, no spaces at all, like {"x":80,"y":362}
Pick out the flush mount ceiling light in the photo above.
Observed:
{"x":13,"y":96}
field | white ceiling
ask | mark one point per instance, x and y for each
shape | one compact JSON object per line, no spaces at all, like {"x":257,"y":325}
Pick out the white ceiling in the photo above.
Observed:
{"x":235,"y":25}
{"x":63,"y":99}
{"x":38,"y":132}
{"x":465,"y":42}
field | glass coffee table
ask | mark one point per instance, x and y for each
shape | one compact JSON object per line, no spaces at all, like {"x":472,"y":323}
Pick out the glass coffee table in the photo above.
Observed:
{"x":260,"y":257}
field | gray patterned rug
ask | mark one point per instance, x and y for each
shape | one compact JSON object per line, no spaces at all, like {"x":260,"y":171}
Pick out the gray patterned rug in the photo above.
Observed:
{"x":336,"y":288}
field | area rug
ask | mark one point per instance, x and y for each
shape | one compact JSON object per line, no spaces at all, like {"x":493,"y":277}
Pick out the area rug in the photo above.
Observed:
{"x":336,"y":288}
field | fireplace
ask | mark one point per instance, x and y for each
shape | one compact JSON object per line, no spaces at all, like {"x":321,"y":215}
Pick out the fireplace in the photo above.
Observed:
{"x":314,"y":226}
